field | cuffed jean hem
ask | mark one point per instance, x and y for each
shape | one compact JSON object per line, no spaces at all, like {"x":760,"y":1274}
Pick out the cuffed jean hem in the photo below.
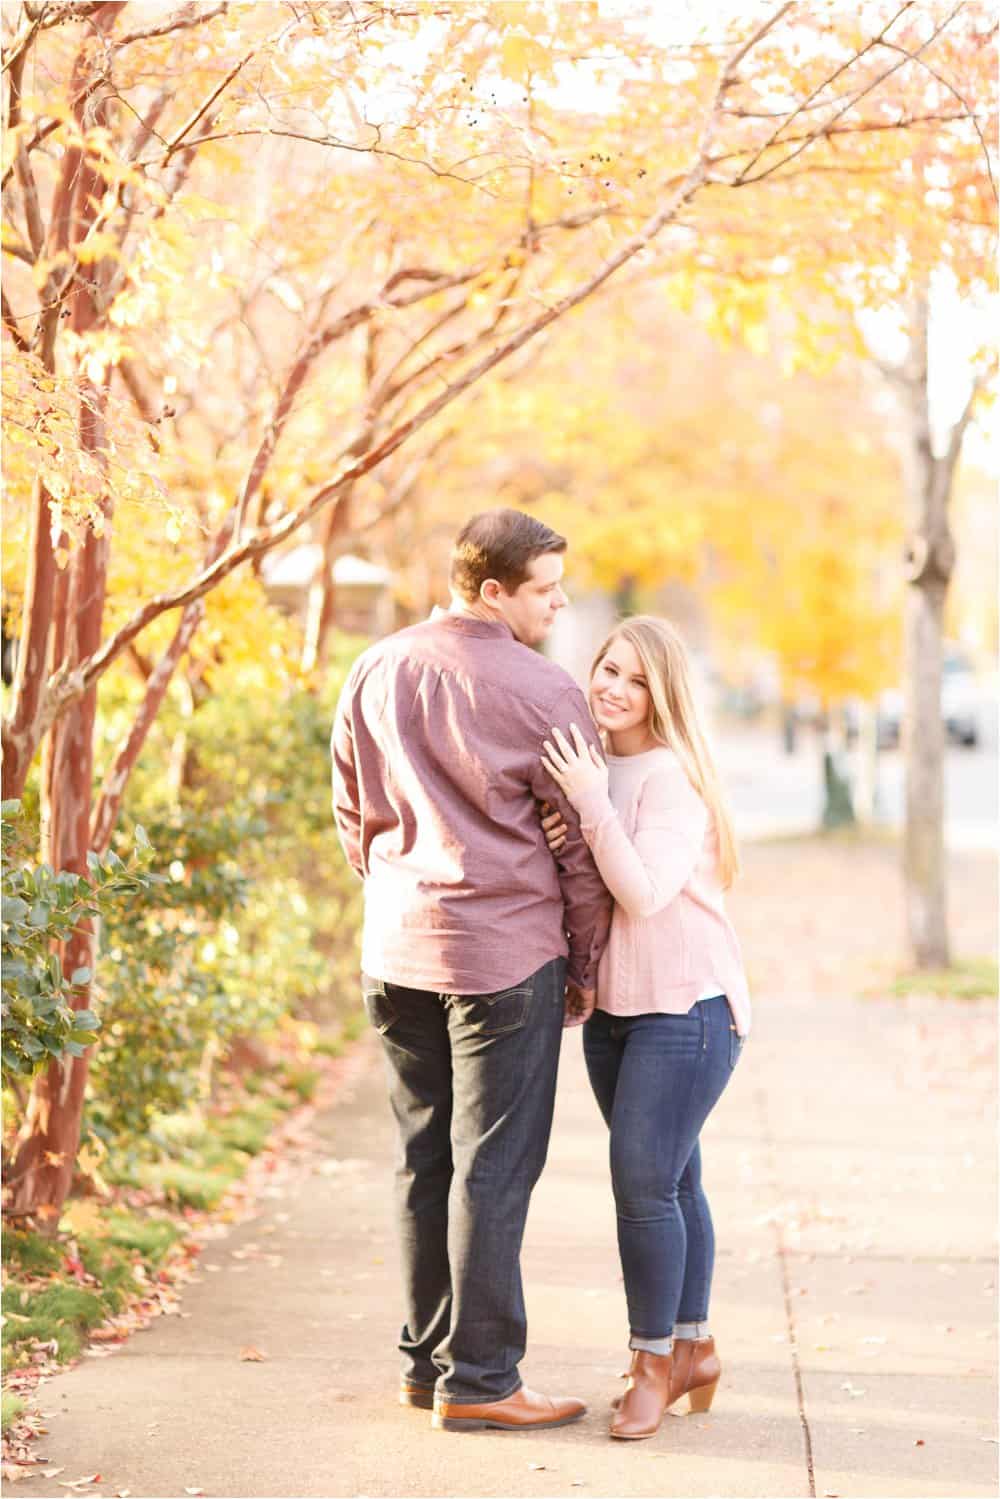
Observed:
{"x":661,"y":1346}
{"x":692,"y":1331}
{"x":450,"y":1398}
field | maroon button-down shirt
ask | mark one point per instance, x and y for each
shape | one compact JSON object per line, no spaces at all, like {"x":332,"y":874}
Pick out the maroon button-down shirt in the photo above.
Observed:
{"x":436,"y":786}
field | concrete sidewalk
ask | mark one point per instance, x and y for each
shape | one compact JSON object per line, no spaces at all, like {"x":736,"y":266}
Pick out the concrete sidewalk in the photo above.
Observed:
{"x":851,"y":1172}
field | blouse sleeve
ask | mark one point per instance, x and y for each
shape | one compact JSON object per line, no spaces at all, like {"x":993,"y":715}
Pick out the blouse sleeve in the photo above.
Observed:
{"x":646,"y":873}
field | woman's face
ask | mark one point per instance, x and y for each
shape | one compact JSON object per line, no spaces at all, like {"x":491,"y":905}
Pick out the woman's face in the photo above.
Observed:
{"x":619,"y":696}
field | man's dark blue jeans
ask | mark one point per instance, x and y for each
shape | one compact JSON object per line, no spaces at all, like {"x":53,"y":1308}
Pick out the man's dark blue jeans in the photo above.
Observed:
{"x":656,"y":1079}
{"x":472,"y":1081}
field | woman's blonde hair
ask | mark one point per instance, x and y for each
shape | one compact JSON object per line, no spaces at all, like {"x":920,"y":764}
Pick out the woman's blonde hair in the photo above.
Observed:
{"x":674,"y":719}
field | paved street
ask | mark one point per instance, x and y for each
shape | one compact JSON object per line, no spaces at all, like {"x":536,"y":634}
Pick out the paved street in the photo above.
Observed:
{"x":772,"y":792}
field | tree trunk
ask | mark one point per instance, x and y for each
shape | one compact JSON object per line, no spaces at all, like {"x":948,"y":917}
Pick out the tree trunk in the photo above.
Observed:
{"x":41,"y":1171}
{"x":929,"y":564}
{"x":923,"y":752}
{"x":321,"y":608}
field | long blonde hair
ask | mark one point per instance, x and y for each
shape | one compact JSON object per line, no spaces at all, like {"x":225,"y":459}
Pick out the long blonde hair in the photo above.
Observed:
{"x":674,"y":719}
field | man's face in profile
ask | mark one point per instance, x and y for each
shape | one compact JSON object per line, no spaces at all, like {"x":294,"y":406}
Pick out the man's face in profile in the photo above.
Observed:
{"x":531,"y":609}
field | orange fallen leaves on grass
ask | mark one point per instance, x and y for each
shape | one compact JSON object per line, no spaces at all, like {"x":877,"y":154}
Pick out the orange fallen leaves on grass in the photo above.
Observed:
{"x":251,"y":1355}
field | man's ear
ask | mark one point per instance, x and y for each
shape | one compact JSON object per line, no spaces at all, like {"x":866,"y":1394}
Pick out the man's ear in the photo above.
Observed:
{"x":489,"y":592}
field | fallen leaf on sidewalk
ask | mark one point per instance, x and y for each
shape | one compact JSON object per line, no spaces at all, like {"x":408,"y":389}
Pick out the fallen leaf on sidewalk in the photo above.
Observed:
{"x":194,"y":1491}
{"x":52,"y":1472}
{"x":251,"y":1355}
{"x":537,"y":1467}
{"x":12,"y":1472}
{"x":852,"y":1389}
{"x":920,"y":1442}
{"x":79,"y":1483}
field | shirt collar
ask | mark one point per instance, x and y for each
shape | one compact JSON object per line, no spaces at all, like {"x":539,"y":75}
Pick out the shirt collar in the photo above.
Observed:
{"x":469,"y":624}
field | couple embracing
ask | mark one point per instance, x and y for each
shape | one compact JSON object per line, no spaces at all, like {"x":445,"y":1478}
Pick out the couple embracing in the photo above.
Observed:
{"x":493,"y":921}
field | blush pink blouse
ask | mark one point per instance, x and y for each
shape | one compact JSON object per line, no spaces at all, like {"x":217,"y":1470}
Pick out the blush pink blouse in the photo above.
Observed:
{"x":671,"y":941}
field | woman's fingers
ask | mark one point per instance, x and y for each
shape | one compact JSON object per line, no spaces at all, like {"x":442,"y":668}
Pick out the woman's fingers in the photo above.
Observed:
{"x":563,"y":742}
{"x":578,"y":739}
{"x":554,"y":772}
{"x":597,"y":757}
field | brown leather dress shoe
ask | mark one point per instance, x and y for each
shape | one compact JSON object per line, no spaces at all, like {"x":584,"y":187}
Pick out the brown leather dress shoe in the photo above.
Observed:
{"x":420,"y":1395}
{"x":522,"y":1411}
{"x":646,"y":1396}
{"x":696,"y":1372}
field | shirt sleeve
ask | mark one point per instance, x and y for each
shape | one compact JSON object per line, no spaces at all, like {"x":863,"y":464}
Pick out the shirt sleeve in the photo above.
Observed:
{"x":646,"y":873}
{"x":346,"y":801}
{"x":586,"y":901}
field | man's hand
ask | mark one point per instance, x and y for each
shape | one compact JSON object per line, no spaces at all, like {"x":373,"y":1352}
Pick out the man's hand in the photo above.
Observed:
{"x":579,"y":1005}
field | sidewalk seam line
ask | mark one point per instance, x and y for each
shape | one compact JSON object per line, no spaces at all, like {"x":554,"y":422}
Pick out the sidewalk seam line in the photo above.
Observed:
{"x":786,"y":1291}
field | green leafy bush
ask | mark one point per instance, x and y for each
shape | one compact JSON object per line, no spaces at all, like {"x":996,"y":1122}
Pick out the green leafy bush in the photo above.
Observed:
{"x":255,"y":914}
{"x":40,"y":908}
{"x":246,"y":912}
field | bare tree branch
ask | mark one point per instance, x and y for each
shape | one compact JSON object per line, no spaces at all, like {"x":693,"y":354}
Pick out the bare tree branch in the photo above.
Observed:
{"x":145,"y":405}
{"x":175,"y":144}
{"x":810,"y":101}
{"x":22,"y":166}
{"x":47,"y":17}
{"x":186,"y":17}
{"x":10,"y":323}
{"x":744,"y":179}
{"x":116,"y":780}
{"x":957,"y":435}
{"x":970,"y":113}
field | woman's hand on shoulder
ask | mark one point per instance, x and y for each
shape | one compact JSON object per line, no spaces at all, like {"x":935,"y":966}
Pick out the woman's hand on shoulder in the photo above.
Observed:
{"x":576,"y":768}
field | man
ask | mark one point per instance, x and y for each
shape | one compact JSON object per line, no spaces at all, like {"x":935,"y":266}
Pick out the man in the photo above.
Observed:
{"x":478,"y":946}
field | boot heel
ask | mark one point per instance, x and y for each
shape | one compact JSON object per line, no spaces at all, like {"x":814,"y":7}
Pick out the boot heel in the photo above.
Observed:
{"x":701,"y":1398}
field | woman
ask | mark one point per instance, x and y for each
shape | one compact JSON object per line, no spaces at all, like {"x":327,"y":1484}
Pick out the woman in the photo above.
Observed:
{"x":672,"y":1002}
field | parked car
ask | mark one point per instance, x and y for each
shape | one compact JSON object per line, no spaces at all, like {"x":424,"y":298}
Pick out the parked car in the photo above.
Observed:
{"x":961,"y":704}
{"x":961,"y":701}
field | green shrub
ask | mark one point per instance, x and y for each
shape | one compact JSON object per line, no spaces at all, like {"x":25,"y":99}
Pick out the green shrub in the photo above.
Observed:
{"x":60,"y":1313}
{"x":975,"y":979}
{"x":254,"y":915}
{"x":28,"y":1253}
{"x":11,"y":1407}
{"x":40,"y":908}
{"x":148,"y":1237}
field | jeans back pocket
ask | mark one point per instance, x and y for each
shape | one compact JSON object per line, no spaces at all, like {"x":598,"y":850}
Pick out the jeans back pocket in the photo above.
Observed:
{"x":379,"y":1007}
{"x":496,"y":1014}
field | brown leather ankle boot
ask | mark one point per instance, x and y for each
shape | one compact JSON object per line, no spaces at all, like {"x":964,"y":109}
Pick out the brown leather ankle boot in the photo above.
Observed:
{"x":696,"y":1372}
{"x":646,"y":1397}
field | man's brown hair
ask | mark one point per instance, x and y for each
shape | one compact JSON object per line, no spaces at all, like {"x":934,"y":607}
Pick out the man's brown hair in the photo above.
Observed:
{"x":499,"y":544}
